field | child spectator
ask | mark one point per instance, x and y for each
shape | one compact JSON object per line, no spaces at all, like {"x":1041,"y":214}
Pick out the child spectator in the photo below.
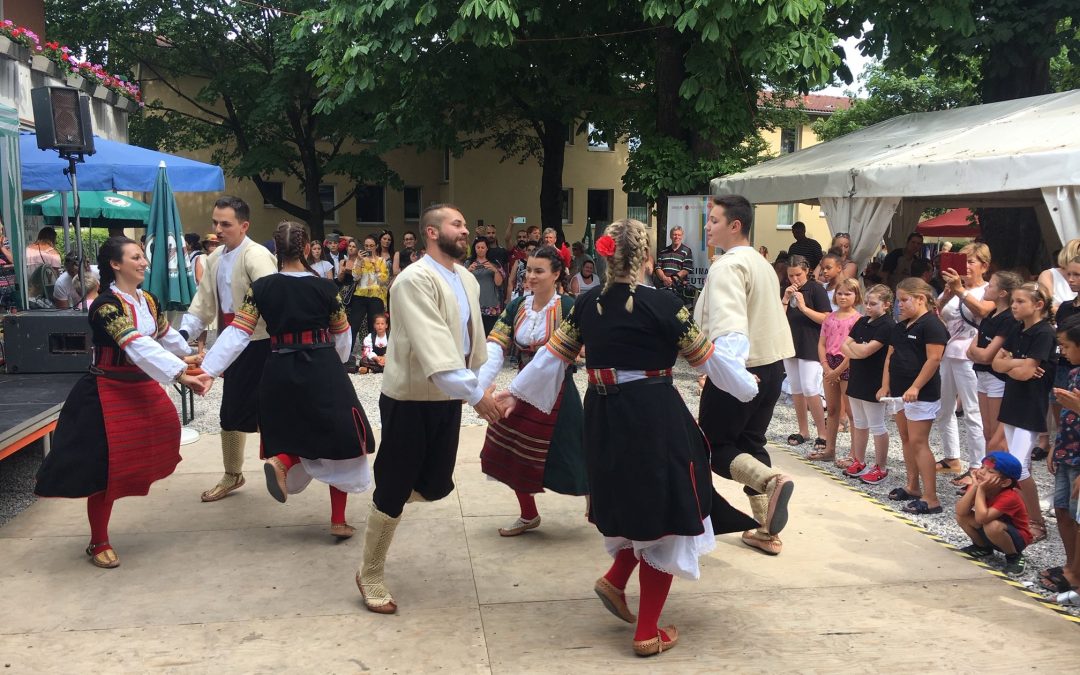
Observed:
{"x":1028,"y":360}
{"x":992,"y":333}
{"x":1064,"y":465}
{"x":807,"y":306}
{"x":866,"y":348}
{"x":373,"y":352}
{"x":830,"y":276}
{"x":911,"y":372}
{"x":834,"y":365}
{"x":993,"y":514}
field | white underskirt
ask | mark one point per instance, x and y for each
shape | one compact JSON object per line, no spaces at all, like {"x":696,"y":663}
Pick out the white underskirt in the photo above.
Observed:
{"x":675,"y":554}
{"x":348,"y":475}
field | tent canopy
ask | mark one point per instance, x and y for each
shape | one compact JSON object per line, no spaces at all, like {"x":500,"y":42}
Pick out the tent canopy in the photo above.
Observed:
{"x":1024,"y":152}
{"x":115,"y":166}
{"x":952,"y":223}
{"x":92,"y":205}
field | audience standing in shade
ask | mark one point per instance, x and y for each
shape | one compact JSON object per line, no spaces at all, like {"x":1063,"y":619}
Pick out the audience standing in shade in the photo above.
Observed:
{"x":322,"y":268}
{"x":897,"y":265}
{"x":804,"y":246}
{"x":490,"y":277}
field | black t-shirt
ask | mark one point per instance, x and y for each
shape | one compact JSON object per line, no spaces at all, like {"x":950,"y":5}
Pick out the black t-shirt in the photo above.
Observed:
{"x":865,"y":378}
{"x":1001,"y":324}
{"x":1025,"y":403}
{"x":1066,"y":311}
{"x":805,"y":332}
{"x":908,"y":342}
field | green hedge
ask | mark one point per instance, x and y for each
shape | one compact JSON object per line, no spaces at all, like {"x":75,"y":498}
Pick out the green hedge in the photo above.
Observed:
{"x":92,"y":241}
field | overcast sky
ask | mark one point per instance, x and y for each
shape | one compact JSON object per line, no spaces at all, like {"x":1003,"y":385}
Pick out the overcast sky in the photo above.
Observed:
{"x":857,"y":62}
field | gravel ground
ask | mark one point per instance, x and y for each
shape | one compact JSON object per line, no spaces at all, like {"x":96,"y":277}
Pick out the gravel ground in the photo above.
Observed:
{"x":16,"y":473}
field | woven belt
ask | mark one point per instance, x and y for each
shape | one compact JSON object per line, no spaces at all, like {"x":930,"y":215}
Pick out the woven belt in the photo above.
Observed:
{"x":301,"y":341}
{"x":612,"y":389}
{"x":604,"y":381}
{"x":135,"y":375}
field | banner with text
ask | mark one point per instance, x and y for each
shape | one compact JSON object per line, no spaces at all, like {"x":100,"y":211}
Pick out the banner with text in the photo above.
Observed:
{"x":691,"y":213}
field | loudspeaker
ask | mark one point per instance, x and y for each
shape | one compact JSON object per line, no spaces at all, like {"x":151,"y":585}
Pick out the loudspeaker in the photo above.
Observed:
{"x":62,"y":120}
{"x":47,"y":342}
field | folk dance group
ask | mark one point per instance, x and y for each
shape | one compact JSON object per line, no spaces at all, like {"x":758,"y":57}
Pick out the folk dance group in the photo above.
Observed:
{"x":285,"y":337}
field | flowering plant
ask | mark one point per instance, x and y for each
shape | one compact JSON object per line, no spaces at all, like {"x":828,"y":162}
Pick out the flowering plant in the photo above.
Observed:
{"x":605,"y":246}
{"x":20,"y":34}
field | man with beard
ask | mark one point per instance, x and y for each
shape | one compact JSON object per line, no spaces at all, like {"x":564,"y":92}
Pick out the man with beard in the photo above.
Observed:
{"x":435,"y":352}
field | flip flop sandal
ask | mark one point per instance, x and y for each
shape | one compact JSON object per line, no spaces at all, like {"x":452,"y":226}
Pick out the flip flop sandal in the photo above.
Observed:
{"x":796,"y":439}
{"x":845,"y":462}
{"x":1057,"y":583}
{"x":1039,"y":454}
{"x":820,"y":444}
{"x":921,"y":508}
{"x":902,"y":495}
{"x":963,"y":480}
{"x":820,"y":456}
{"x":1052,"y":571}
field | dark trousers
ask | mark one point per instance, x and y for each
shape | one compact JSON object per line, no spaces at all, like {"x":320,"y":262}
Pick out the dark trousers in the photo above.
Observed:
{"x":362,"y":312}
{"x":733,"y":427}
{"x":418,"y":451}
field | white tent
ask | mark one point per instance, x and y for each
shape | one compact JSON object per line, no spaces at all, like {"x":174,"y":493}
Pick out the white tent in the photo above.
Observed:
{"x":1024,"y":152}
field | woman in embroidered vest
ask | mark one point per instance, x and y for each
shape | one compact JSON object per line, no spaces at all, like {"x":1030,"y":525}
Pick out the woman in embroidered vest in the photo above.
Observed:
{"x":312,"y":424}
{"x":650,"y":485}
{"x":532,"y":450}
{"x":118,"y":431}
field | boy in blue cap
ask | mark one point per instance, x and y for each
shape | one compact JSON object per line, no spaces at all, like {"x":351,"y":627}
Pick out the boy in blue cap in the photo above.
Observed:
{"x":993,"y":514}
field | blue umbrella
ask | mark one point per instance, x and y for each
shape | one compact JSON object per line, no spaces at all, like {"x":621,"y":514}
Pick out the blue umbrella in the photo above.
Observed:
{"x":114,"y":166}
{"x":167,"y":277}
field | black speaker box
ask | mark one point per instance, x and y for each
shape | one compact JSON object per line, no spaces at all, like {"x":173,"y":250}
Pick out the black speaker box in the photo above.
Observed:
{"x":62,"y":120}
{"x":55,"y":341}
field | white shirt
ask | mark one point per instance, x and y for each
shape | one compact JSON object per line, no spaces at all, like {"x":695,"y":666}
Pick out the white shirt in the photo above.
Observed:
{"x":461,"y":383}
{"x":322,"y":267}
{"x":454,"y":280}
{"x":158,"y":358}
{"x":226,"y":302}
{"x":961,"y":333}
{"x":368,"y":349}
{"x":69,"y":289}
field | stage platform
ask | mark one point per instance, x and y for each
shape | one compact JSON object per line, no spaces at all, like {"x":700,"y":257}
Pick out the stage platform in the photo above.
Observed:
{"x":29,"y":407}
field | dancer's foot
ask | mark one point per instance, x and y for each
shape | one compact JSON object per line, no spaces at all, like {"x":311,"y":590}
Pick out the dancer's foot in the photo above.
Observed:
{"x":102,"y":555}
{"x":376,"y":598}
{"x":667,"y":638}
{"x":614,"y":600}
{"x":519,"y":526}
{"x":275,"y":479}
{"x":342,"y":530}
{"x":228,"y":483}
{"x":766,"y":543}
{"x":779,"y":490}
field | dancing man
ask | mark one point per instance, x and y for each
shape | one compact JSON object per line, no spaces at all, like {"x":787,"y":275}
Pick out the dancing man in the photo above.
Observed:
{"x":228,"y":275}
{"x":436,"y":350}
{"x":741,"y":284}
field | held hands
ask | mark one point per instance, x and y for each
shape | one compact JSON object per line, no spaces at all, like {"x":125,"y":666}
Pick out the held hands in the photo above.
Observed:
{"x":200,"y":384}
{"x":195,"y":359}
{"x":507,"y":401}
{"x":490,"y":409}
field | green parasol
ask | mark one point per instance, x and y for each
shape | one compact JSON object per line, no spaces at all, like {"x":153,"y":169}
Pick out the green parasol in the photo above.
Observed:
{"x":167,"y":277}
{"x":92,"y":205}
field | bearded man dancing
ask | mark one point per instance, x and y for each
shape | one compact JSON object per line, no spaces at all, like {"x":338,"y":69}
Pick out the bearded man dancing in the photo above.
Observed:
{"x":434,"y":355}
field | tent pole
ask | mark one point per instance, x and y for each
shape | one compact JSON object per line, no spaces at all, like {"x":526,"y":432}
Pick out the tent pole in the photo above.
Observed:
{"x":71,"y":158}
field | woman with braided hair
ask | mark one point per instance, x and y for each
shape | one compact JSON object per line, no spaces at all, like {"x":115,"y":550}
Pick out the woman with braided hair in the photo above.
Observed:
{"x":303,"y":380}
{"x":650,"y":484}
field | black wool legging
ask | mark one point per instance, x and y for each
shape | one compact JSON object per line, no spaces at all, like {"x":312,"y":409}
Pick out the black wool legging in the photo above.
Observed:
{"x":362,"y":311}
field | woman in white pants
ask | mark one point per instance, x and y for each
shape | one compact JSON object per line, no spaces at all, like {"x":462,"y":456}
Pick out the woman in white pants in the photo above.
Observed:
{"x":962,"y":307}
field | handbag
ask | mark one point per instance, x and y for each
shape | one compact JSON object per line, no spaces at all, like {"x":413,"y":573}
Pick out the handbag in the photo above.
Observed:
{"x":347,"y":290}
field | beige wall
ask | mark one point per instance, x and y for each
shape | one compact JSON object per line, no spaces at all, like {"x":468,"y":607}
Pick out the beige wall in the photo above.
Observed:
{"x":778,"y":238}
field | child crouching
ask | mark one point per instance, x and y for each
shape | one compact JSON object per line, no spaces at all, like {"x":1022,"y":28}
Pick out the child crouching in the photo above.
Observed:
{"x":993,"y":514}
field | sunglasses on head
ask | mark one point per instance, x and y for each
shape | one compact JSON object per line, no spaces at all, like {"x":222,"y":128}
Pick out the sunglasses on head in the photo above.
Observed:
{"x":842,"y":234}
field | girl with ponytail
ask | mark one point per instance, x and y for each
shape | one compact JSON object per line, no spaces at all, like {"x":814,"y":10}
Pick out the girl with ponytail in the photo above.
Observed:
{"x":312,"y":424}
{"x":648,"y":483}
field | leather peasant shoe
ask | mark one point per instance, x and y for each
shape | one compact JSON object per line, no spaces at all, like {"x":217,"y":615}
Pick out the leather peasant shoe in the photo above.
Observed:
{"x":342,"y":530}
{"x":614,"y":600}
{"x":275,"y":479}
{"x":383,"y":605}
{"x":519,"y":526}
{"x":103,"y":555}
{"x":657,"y":645}
{"x":769,"y":544}
{"x":228,"y":483}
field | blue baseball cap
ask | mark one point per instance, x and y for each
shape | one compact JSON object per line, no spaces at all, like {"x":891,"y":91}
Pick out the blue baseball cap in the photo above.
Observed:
{"x":1003,"y":463}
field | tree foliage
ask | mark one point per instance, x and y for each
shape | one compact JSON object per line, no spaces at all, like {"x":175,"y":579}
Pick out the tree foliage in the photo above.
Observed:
{"x":231,"y":77}
{"x":891,"y":93}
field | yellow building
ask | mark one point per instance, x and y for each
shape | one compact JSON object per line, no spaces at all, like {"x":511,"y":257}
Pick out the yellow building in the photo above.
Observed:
{"x":772,"y":222}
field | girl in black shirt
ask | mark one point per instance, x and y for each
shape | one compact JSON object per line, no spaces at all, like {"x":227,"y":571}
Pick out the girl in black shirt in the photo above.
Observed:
{"x":911,"y":372}
{"x":1028,"y":360}
{"x":807,"y":306}
{"x":993,"y":330}
{"x":867,"y":347}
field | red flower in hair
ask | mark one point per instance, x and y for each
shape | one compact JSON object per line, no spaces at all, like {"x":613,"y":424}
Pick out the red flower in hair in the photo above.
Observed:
{"x":605,"y":246}
{"x":565,"y":255}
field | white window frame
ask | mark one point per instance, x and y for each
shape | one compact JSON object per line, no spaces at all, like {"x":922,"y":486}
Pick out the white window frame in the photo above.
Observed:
{"x":568,"y":202}
{"x":329,"y":218}
{"x":595,"y":146}
{"x":419,"y":203}
{"x":796,"y":131}
{"x":794,"y":212}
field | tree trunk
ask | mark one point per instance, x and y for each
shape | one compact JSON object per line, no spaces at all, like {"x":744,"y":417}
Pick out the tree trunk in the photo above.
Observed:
{"x":669,"y":75}
{"x":316,"y":215}
{"x":553,"y":141}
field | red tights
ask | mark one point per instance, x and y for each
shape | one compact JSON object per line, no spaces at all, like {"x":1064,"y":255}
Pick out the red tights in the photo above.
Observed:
{"x":98,"y":511}
{"x":338,"y":499}
{"x":654,"y":591}
{"x":527,"y":502}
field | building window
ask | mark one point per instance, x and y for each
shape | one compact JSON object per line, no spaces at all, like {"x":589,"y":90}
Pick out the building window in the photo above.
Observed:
{"x":371,"y":204}
{"x":413,"y":200}
{"x":637,"y":207}
{"x":273,"y":189}
{"x":785,"y":216}
{"x":789,"y":141}
{"x":597,"y":142}
{"x":567,"y":205}
{"x":571,"y":132}
{"x":328,"y":197}
{"x":446,"y":166}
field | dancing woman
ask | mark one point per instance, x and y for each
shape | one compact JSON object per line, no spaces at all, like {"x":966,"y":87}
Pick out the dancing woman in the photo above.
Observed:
{"x":118,"y":431}
{"x":532,"y":450}
{"x":650,"y":484}
{"x":312,"y":424}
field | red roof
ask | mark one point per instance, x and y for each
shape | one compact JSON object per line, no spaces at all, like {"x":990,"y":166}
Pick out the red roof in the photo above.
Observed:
{"x":954,"y":223}
{"x":815,"y":103}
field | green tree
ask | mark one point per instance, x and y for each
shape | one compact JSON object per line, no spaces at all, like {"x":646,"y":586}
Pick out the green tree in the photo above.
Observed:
{"x":891,"y":93}
{"x":237,"y":81}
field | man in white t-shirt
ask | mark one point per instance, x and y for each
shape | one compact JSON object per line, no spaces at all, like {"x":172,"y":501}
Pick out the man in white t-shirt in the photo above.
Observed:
{"x":67,"y":293}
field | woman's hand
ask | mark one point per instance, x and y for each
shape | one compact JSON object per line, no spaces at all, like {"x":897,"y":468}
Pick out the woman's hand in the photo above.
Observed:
{"x":911,"y":395}
{"x":881,"y":393}
{"x":194,"y":359}
{"x":953,"y":281}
